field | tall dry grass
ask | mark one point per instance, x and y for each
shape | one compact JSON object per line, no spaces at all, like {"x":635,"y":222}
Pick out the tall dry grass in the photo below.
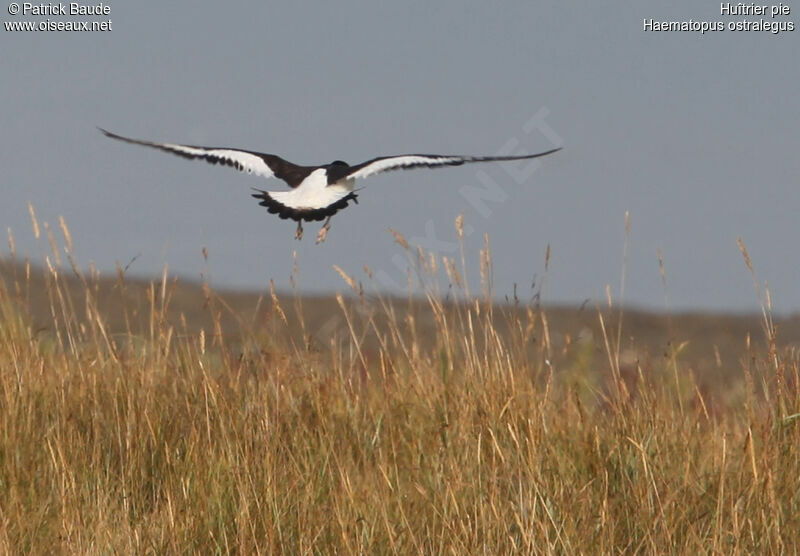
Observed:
{"x":488,"y":438}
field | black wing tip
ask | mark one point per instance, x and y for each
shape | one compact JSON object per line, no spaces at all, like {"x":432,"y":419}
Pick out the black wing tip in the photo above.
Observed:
{"x":524,"y":156}
{"x":551,"y":151}
{"x":112,"y":135}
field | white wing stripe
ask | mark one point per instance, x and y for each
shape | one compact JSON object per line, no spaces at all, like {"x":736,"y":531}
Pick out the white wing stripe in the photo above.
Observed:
{"x":396,"y":162}
{"x":384,"y":164}
{"x":243,"y":161}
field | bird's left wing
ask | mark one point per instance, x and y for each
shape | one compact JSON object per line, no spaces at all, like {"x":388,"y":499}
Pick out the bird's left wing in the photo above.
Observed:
{"x":409,"y":161}
{"x":260,"y":164}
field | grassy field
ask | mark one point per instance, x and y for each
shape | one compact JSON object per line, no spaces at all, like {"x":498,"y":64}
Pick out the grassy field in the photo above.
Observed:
{"x":168,"y":418}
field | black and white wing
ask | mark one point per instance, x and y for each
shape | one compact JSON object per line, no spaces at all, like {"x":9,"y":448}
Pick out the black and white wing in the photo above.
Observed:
{"x":409,"y":161}
{"x":260,"y":164}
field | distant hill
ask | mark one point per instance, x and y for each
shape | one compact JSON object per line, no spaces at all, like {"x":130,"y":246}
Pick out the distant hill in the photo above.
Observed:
{"x":706,"y":340}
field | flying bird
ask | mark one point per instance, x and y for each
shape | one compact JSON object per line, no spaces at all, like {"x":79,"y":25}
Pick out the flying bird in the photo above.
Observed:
{"x":317,"y":192}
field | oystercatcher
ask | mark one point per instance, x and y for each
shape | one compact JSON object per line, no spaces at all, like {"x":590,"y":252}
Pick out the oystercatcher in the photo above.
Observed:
{"x":318,"y":192}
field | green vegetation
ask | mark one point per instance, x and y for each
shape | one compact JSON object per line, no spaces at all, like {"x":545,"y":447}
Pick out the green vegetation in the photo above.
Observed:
{"x":409,"y":426}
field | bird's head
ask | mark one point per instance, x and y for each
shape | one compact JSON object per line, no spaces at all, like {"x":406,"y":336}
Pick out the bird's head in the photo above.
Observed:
{"x":336,"y":170}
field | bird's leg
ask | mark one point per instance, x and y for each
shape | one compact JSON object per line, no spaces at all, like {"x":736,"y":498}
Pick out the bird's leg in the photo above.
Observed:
{"x":323,"y":232}
{"x":299,"y":233}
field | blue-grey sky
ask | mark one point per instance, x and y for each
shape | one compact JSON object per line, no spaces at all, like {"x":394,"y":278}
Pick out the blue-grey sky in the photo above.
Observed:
{"x":695,"y":134}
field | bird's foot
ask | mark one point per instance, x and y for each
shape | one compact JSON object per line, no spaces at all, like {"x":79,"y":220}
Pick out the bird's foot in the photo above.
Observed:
{"x":299,"y":233}
{"x":323,"y":232}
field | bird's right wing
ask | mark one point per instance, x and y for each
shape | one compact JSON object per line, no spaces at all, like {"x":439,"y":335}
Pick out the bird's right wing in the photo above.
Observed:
{"x":409,"y":161}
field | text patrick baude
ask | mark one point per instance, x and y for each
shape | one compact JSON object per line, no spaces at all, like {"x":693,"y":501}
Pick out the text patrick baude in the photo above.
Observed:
{"x":59,"y":8}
